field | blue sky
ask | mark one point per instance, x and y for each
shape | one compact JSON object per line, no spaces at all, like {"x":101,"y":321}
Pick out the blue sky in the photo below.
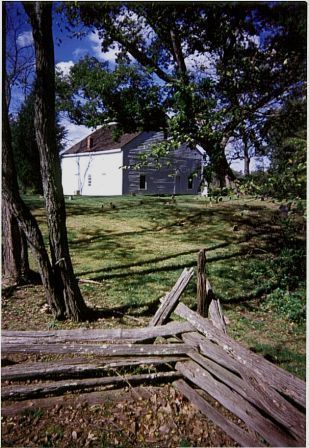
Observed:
{"x":68,"y":50}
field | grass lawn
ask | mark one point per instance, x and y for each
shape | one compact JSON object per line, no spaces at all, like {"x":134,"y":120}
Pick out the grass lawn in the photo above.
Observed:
{"x":136,"y":247}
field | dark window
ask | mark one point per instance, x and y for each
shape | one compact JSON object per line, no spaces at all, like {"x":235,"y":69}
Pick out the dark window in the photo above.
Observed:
{"x":142,"y":182}
{"x":190,"y":183}
{"x":89,"y":180}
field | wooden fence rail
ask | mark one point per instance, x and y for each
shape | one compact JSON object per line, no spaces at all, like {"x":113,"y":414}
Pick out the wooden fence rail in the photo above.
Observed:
{"x":203,"y":360}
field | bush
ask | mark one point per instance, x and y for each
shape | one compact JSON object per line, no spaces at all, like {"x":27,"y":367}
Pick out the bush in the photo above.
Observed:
{"x":290,"y":267}
{"x":291,"y":305}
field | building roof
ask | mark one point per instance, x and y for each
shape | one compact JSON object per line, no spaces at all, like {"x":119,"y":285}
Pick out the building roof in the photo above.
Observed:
{"x":102,"y":140}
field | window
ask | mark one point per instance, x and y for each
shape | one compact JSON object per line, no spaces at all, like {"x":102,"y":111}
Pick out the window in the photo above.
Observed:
{"x":190,"y":183}
{"x":142,"y":182}
{"x":89,"y":143}
{"x":89,"y":180}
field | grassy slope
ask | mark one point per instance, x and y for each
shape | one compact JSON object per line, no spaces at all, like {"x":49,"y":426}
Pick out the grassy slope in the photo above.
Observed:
{"x":139,"y":248}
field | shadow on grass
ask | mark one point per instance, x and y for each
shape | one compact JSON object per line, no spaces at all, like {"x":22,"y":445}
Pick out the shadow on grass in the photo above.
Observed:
{"x":153,"y":260}
{"x":282,"y":356}
{"x":245,"y":298}
{"x":173,"y":267}
{"x":145,"y":310}
{"x":188,"y":220}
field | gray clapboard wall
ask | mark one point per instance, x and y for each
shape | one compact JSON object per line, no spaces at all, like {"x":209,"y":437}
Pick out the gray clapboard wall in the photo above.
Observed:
{"x":169,"y":179}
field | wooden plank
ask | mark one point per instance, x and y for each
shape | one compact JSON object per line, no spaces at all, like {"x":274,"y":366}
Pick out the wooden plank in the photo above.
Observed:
{"x":236,"y":404}
{"x":251,"y":386}
{"x":260,"y":395}
{"x":72,"y":368}
{"x":102,"y":349}
{"x":216,"y":315}
{"x":235,"y":432}
{"x":90,"y":398}
{"x":136,"y":334}
{"x":278,"y":378}
{"x":169,"y":302}
{"x":212,"y":351}
{"x":203,"y":300}
{"x":60,"y":387}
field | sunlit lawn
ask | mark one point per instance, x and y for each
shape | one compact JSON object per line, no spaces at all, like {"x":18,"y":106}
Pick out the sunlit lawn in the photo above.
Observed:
{"x":136,"y":247}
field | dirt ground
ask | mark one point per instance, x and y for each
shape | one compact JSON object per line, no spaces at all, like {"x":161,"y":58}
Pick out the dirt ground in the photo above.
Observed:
{"x":143,"y":417}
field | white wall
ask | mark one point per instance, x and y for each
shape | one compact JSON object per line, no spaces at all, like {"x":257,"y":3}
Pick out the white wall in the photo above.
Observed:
{"x":103,"y":169}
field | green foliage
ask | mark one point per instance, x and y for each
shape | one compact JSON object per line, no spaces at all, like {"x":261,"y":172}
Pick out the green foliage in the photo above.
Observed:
{"x":285,"y":134}
{"x":289,"y":267}
{"x":291,"y":305}
{"x":256,"y":53}
{"x":25,"y":149}
{"x":218,"y":192}
{"x":184,"y":443}
{"x":33,"y":413}
{"x":287,"y":270}
{"x":93,"y":94}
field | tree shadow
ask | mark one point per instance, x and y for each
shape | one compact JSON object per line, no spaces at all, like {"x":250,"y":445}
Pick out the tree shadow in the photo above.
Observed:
{"x":145,"y":310}
{"x":173,"y":267}
{"x":152,"y":260}
{"x":32,"y":278}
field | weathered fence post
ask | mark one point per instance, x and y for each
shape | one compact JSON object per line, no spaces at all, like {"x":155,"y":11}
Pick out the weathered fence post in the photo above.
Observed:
{"x":202,"y":297}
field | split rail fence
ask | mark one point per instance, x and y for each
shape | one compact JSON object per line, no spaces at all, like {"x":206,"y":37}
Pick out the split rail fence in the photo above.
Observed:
{"x":196,"y":354}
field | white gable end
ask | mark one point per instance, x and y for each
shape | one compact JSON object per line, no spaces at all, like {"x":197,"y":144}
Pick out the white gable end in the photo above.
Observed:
{"x":93,"y":174}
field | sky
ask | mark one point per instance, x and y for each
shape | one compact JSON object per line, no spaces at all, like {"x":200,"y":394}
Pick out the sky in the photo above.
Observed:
{"x":68,"y":51}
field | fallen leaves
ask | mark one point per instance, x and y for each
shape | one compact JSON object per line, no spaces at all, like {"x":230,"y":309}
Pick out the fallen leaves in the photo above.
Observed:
{"x":161,"y":418}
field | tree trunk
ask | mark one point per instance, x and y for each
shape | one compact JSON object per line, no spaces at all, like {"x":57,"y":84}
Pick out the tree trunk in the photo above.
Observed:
{"x":24,"y":219}
{"x":246,"y":165}
{"x":11,"y":247}
{"x":40,"y":14}
{"x":220,"y":167}
{"x":14,"y":205}
{"x":246,"y":158}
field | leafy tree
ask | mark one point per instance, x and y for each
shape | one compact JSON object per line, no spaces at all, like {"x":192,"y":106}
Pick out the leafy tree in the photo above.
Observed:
{"x":218,"y":65}
{"x":286,"y":136}
{"x":126,"y":94}
{"x":25,"y":148}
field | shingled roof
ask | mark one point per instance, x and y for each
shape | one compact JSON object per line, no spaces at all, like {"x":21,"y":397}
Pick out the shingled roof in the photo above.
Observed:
{"x":102,"y":140}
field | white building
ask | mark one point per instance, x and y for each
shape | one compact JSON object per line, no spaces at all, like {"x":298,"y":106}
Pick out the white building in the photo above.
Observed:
{"x":99,"y":165}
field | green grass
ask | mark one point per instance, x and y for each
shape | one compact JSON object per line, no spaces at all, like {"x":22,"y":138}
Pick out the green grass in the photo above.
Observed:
{"x":138,"y":249}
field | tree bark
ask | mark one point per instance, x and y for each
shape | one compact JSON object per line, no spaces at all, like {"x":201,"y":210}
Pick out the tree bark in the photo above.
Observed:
{"x":201,"y":293}
{"x":246,"y":157}
{"x":16,"y":208}
{"x":40,"y":14}
{"x":220,"y":167}
{"x":11,"y":247}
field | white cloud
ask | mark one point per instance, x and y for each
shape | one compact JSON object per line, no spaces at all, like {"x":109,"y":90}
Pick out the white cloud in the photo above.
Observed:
{"x":64,"y":67}
{"x":96,"y":46}
{"x":79,"y":52}
{"x":200,"y":61}
{"x":96,"y":42}
{"x":25,"y":39}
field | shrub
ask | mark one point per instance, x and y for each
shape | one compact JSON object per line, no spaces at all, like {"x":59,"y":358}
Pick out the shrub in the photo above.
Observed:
{"x":291,"y":305}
